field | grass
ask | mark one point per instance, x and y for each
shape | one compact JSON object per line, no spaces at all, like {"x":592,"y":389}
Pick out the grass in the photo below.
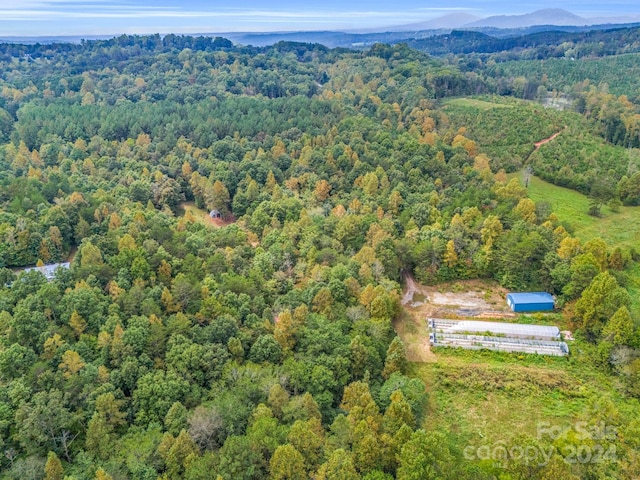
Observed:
{"x":483,"y":397}
{"x":620,"y":229}
{"x":475,"y":103}
{"x":634,"y":287}
{"x":199,"y":214}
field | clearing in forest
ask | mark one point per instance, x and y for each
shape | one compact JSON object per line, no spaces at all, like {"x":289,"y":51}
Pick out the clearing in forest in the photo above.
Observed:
{"x":202,"y":215}
{"x":618,"y":229}
{"x":479,"y":299}
{"x":474,"y":394}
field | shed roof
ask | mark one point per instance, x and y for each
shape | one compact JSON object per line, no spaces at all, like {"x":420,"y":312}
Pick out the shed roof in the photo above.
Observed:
{"x":538,"y":331}
{"x":49,"y":271}
{"x":530,"y":297}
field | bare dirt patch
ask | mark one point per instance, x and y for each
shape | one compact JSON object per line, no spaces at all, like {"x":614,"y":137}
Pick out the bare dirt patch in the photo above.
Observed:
{"x":219,"y":222}
{"x":479,"y":299}
{"x":462,"y":299}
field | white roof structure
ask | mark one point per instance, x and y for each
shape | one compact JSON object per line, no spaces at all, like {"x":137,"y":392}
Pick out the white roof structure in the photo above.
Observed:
{"x":509,"y":329}
{"x":506,"y":337}
{"x":49,"y":271}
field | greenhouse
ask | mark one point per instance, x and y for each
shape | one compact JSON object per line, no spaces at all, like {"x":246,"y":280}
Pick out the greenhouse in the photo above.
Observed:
{"x":517,"y":330}
{"x":505,"y":337}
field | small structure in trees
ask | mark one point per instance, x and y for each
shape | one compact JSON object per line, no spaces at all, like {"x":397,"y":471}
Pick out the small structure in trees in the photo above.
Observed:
{"x":49,"y":271}
{"x":215,"y":213}
{"x":530,"y":301}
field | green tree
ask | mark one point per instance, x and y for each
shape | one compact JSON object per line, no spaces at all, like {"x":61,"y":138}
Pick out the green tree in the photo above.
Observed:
{"x":396,"y":360}
{"x":155,"y":393}
{"x":238,"y":460}
{"x":599,"y":302}
{"x":424,"y":457}
{"x":176,"y":419}
{"x":619,"y":329}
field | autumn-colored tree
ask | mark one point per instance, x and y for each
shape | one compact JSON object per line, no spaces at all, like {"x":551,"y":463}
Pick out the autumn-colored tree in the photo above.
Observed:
{"x":366,"y":449}
{"x":286,"y":464}
{"x":114,"y":221}
{"x":323,"y":301}
{"x":321,"y":192}
{"x":175,"y":452}
{"x":53,"y":468}
{"x":270,"y":182}
{"x":358,"y":402}
{"x":77,"y":323}
{"x":219,"y":198}
{"x":395,"y":201}
{"x":338,"y":467}
{"x":52,"y":345}
{"x":398,"y":413}
{"x":284,"y":331}
{"x":450,"y":254}
{"x":307,"y":436}
{"x":569,"y":247}
{"x":71,"y":363}
{"x":101,"y":474}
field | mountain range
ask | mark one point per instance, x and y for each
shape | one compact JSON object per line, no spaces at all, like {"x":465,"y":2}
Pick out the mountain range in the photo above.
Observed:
{"x":500,"y":26}
{"x":549,"y":16}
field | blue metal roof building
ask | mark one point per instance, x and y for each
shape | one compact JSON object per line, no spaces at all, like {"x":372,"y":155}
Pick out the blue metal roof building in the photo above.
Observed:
{"x":530,"y":301}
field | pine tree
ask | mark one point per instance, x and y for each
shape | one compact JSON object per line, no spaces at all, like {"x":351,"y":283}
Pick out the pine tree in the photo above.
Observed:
{"x":53,"y":468}
{"x":396,"y":360}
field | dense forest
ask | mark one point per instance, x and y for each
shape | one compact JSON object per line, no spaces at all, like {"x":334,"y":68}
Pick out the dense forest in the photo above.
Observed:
{"x":536,"y":45}
{"x":176,"y":348}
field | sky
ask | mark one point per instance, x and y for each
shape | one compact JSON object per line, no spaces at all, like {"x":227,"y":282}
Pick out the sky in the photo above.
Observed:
{"x":102,"y":17}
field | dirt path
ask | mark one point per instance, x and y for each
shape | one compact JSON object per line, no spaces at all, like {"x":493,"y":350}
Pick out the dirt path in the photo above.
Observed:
{"x":410,"y":289}
{"x":547,"y":140}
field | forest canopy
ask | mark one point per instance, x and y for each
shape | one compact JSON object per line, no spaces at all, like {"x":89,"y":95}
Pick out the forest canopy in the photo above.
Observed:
{"x":174,"y":347}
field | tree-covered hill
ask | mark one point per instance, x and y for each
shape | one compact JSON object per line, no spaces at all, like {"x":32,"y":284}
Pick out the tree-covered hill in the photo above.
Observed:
{"x":172,"y":348}
{"x":536,"y":45}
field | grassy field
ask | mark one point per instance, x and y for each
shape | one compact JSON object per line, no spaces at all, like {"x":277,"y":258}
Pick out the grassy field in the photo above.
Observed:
{"x":620,"y":229}
{"x":483,"y":397}
{"x":475,"y":103}
{"x":199,"y":214}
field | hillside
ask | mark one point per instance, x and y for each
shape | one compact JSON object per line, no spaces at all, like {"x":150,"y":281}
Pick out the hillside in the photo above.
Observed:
{"x":261,"y":344}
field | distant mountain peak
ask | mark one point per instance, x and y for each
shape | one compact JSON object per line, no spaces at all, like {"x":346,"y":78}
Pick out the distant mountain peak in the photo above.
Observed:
{"x":451,"y":20}
{"x":547,"y":16}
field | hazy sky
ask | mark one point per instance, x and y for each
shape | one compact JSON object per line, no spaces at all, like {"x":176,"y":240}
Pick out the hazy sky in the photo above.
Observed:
{"x":77,"y":17}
